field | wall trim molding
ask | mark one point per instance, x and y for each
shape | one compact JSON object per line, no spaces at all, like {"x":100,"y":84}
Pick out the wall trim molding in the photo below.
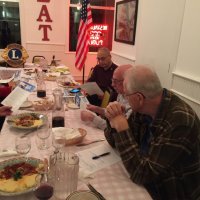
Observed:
{"x":193,"y":79}
{"x":124,"y":56}
{"x":42,"y":43}
{"x":188,"y":89}
{"x":186,"y":96}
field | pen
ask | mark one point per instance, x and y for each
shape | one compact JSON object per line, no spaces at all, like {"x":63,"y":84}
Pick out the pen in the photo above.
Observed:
{"x":103,"y":154}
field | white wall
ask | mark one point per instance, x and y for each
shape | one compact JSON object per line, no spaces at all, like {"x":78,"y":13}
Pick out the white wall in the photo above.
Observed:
{"x":58,"y":44}
{"x":167,"y":37}
{"x":188,"y":59}
{"x":186,"y":75}
{"x":158,"y":32}
{"x":122,"y":53}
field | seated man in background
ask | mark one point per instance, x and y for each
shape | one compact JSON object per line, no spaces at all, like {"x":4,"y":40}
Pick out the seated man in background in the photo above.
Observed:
{"x":5,"y":90}
{"x":117,"y":84}
{"x":159,"y":144}
{"x":102,"y":74}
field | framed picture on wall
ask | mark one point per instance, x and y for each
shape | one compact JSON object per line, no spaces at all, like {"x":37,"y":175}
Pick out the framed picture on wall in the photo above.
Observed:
{"x":125,"y":21}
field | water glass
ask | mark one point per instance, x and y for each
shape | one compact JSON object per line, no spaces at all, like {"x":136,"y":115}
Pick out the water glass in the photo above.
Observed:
{"x":22,"y":145}
{"x":43,"y":133}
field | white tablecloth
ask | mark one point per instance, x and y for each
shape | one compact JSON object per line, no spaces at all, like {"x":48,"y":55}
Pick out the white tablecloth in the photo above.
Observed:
{"x":113,"y":182}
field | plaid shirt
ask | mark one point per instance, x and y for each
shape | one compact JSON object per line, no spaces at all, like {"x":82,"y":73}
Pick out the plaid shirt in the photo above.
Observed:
{"x":162,"y":154}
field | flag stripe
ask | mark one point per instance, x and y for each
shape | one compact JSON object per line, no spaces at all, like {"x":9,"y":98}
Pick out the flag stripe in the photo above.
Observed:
{"x":83,"y":37}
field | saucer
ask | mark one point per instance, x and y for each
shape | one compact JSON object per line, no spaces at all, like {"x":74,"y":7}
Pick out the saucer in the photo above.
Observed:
{"x":72,"y":106}
{"x":87,"y":195}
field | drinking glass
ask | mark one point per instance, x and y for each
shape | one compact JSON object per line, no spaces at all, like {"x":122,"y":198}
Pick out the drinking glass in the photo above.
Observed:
{"x":43,"y":133}
{"x":58,"y":140}
{"x":23,"y":145}
{"x":44,"y":190}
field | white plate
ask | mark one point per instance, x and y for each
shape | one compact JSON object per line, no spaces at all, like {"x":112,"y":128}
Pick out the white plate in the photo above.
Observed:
{"x":30,"y":160}
{"x":86,"y":195}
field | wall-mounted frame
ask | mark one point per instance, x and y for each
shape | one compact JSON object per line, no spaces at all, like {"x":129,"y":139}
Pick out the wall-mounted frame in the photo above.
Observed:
{"x":125,"y":21}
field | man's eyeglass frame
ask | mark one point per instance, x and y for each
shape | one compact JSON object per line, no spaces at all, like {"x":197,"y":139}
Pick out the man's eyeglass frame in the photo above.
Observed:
{"x":127,"y":95}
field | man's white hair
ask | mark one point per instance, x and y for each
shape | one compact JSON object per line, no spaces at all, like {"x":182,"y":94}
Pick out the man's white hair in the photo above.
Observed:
{"x":143,"y":79}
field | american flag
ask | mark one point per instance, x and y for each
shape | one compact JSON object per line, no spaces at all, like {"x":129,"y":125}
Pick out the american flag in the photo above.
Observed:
{"x":83,"y":34}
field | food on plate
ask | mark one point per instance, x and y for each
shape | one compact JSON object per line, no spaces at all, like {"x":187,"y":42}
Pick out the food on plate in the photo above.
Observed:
{"x":29,"y":71}
{"x":19,"y":177}
{"x":28,"y":121}
{"x":67,"y":83}
{"x":60,"y":69}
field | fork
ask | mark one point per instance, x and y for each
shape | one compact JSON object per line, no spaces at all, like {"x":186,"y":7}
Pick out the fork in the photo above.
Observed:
{"x":25,"y":134}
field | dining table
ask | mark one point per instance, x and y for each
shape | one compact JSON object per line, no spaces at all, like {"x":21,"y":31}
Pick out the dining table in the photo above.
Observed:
{"x":112,"y":182}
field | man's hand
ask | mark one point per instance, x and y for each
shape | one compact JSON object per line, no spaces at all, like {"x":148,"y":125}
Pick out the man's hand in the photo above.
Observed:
{"x":115,"y":114}
{"x":87,"y":116}
{"x":95,"y":109}
{"x":5,"y":110}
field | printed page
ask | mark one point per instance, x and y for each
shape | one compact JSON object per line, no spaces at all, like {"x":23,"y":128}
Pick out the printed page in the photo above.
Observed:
{"x":92,"y":88}
{"x":18,"y":95}
{"x":90,"y":165}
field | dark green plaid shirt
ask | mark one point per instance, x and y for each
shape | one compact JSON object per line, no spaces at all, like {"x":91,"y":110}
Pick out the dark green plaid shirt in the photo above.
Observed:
{"x":163,"y":155}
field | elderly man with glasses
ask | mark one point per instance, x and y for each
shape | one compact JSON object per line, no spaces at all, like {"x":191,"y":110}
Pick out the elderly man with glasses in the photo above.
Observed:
{"x":117,"y":83}
{"x":102,"y":74}
{"x":160,"y":142}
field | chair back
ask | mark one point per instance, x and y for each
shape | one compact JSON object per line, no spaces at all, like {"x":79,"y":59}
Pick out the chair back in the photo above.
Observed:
{"x":106,"y":99}
{"x":90,"y":73}
{"x":37,"y":59}
{"x":15,"y":55}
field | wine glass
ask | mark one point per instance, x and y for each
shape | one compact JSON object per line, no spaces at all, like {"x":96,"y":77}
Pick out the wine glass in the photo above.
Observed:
{"x":43,"y":133}
{"x":47,"y":103}
{"x":44,"y":190}
{"x":23,"y":145}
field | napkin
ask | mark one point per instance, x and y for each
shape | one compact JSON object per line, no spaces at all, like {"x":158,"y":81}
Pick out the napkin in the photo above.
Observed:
{"x":6,"y":153}
{"x":68,"y":133}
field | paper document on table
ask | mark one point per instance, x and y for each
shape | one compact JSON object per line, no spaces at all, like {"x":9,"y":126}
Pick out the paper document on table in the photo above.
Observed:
{"x":92,"y":88}
{"x":18,"y":95}
{"x":89,"y":164}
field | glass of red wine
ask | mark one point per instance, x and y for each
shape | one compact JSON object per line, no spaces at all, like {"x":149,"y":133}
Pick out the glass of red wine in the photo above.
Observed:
{"x":44,"y":189}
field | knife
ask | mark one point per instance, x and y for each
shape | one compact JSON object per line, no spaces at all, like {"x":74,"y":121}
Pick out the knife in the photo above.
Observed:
{"x":28,"y":132}
{"x":90,"y":142}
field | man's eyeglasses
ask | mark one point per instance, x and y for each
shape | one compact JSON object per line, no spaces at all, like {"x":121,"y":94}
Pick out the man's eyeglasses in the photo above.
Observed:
{"x":127,"y":95}
{"x":116,"y":81}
